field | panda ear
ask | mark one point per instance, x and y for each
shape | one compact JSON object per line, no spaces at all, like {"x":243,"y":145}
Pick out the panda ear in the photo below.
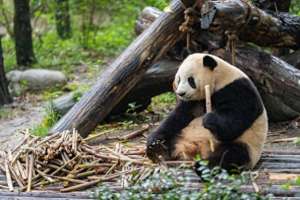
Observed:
{"x":209,"y":62}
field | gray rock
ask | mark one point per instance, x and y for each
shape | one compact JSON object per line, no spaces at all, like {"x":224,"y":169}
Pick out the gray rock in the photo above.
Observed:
{"x":35,"y":79}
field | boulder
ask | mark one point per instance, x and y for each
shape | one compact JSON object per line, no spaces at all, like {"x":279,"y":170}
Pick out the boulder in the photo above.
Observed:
{"x":35,"y":79}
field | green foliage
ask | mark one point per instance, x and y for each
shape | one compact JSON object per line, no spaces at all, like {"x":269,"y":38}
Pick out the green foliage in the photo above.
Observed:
{"x":51,"y":94}
{"x":80,"y":91}
{"x":162,"y":103}
{"x":297,"y":141}
{"x":51,"y":117}
{"x":288,"y":185}
{"x":295,"y":7}
{"x":5,"y":113}
{"x":169,"y":184}
{"x":101,"y":28}
{"x":9,"y":54}
{"x":164,"y":99}
{"x":297,"y":181}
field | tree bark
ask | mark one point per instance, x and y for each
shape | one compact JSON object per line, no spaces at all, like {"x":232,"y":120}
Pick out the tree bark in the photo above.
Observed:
{"x":293,"y":59}
{"x":23,"y":33}
{"x":252,"y":24}
{"x":62,"y":18}
{"x":121,"y":76}
{"x":273,"y":5}
{"x":4,"y":94}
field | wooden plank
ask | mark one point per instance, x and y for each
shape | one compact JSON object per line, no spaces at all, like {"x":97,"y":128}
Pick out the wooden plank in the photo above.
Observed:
{"x":35,"y":198}
{"x":272,"y":165}
{"x":275,"y":152}
{"x":284,"y":170}
{"x":49,"y":194}
{"x":277,"y":160}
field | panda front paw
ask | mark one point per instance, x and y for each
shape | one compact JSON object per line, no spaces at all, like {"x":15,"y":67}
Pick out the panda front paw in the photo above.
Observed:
{"x":156,"y":147}
{"x":210,"y":122}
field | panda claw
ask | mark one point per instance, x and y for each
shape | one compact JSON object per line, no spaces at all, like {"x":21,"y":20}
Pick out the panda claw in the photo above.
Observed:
{"x":156,"y":148}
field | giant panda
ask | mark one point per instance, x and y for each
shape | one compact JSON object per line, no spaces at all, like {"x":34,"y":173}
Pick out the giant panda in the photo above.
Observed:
{"x":231,"y":136}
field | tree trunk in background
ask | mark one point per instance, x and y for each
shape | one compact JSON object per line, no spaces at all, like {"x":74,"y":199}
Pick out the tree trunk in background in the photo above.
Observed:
{"x":4,"y":94}
{"x":23,"y":33}
{"x":62,"y":17}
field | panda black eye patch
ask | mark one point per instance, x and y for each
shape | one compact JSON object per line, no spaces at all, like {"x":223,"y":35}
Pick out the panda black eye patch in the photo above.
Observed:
{"x":192,"y":82}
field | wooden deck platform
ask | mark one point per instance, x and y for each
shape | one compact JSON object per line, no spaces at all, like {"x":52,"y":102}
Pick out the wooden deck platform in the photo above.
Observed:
{"x":275,"y":169}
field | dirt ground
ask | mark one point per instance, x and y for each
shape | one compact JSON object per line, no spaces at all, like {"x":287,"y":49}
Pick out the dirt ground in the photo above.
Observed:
{"x":25,"y":112}
{"x":28,"y":110}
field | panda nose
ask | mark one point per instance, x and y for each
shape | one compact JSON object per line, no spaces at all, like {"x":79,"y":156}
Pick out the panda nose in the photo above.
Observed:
{"x":181,"y":94}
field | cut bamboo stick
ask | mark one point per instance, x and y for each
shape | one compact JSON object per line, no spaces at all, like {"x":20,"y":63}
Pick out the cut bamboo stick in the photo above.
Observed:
{"x":208,"y":99}
{"x":208,"y":110}
{"x":8,"y":176}
{"x":30,"y":172}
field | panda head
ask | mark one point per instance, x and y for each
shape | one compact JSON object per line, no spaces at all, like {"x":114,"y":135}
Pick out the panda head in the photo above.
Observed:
{"x":196,"y":71}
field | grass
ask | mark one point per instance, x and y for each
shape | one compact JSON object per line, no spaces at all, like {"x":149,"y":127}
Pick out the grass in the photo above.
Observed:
{"x":5,"y":113}
{"x":51,"y":117}
{"x":163,"y":103}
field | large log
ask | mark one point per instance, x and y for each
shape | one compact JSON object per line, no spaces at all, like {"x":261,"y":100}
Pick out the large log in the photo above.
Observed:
{"x":158,"y":79}
{"x":252,"y":24}
{"x":122,"y":75}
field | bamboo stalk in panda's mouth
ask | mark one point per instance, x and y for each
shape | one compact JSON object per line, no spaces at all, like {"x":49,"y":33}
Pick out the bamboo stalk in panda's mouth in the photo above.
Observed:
{"x":207,"y":98}
{"x":209,"y":109}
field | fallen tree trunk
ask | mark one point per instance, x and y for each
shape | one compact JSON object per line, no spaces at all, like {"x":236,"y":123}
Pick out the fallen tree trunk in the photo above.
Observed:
{"x":124,"y":73}
{"x":252,"y":24}
{"x":158,"y":79}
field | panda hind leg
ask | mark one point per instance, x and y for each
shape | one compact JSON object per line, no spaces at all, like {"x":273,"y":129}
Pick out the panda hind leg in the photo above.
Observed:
{"x":232,"y":156}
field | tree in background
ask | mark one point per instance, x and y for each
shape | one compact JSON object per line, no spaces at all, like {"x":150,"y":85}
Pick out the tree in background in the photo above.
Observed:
{"x":4,"y":94}
{"x":23,"y":33}
{"x":62,"y":17}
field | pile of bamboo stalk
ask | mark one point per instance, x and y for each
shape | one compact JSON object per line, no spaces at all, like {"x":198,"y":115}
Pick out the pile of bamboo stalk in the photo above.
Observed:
{"x":65,"y":162}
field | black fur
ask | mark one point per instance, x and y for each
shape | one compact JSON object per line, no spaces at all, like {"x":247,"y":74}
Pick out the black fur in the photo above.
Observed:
{"x":192,"y":83}
{"x":229,"y":156}
{"x":235,"y":108}
{"x":209,"y":62}
{"x":160,"y":142}
{"x":234,"y":157}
